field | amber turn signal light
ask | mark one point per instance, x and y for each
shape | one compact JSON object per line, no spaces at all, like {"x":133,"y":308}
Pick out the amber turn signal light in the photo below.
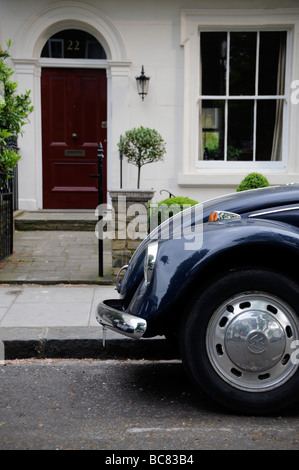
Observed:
{"x":223,"y":215}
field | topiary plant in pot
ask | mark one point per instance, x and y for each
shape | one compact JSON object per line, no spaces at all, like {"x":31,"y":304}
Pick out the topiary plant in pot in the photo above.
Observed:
{"x":142,"y":146}
{"x":253,"y":181}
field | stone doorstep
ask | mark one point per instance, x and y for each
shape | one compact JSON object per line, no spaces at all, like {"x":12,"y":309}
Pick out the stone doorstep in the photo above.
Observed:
{"x":55,"y":225}
{"x":55,"y":220}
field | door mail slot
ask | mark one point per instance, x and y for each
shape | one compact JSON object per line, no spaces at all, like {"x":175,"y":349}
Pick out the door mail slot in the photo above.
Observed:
{"x":74,"y":153}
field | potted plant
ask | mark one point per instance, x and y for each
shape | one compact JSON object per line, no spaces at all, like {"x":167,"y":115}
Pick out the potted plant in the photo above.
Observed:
{"x":14,"y":112}
{"x":142,"y":146}
{"x":253,"y":181}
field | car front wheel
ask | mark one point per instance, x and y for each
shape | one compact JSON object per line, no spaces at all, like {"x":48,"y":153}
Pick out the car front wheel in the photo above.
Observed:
{"x":239,"y":341}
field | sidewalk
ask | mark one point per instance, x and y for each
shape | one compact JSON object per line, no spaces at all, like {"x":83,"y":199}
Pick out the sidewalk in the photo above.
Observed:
{"x":46,"y":321}
{"x":49,"y":291}
{"x":56,"y":247}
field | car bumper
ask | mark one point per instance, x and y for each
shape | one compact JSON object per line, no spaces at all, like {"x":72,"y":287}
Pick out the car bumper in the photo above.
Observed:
{"x":110,"y":315}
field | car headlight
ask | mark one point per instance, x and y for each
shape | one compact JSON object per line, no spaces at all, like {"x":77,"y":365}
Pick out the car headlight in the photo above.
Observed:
{"x":223,"y":215}
{"x":149,"y":261}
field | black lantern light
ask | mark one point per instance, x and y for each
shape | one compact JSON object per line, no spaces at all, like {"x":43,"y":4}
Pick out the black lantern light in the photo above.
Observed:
{"x":142,"y":84}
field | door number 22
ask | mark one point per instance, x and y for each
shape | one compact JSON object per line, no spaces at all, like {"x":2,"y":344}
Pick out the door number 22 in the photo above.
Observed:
{"x":73,"y":45}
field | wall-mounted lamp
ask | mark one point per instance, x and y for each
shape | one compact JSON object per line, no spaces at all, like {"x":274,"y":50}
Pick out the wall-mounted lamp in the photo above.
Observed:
{"x":142,"y":84}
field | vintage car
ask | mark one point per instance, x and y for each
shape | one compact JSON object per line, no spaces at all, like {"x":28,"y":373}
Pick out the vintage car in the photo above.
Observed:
{"x":229,"y":296}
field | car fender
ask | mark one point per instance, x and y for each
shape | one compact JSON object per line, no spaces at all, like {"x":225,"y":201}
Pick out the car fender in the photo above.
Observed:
{"x":176,"y":267}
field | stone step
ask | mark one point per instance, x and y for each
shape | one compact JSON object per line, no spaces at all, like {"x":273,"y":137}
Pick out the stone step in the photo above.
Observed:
{"x":84,"y":221}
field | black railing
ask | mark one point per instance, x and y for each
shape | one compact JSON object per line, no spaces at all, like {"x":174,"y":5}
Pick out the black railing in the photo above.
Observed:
{"x":12,"y":183}
{"x":8,"y":204}
{"x":6,"y":222}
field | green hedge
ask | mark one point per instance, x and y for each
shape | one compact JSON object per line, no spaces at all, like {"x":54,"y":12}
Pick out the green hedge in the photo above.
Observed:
{"x":169,"y":207}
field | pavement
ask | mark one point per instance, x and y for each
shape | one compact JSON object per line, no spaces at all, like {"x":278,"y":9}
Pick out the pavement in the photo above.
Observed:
{"x":49,"y":291}
{"x":56,"y":247}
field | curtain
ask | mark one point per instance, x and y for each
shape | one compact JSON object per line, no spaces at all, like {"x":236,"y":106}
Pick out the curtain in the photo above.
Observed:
{"x":276,"y":154}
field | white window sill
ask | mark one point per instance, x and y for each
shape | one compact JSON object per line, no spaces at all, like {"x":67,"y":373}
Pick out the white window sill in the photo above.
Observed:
{"x":227,"y":180}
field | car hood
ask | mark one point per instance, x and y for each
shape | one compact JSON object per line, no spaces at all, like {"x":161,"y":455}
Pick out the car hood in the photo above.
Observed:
{"x":242,"y":203}
{"x":255,"y":199}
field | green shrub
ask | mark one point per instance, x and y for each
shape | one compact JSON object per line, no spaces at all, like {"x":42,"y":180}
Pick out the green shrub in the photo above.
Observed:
{"x":181,"y":201}
{"x":253,"y":181}
{"x":14,"y":114}
{"x":165,"y":209}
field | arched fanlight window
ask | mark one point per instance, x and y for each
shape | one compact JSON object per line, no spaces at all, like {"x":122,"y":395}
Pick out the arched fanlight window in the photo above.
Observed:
{"x":73,"y":44}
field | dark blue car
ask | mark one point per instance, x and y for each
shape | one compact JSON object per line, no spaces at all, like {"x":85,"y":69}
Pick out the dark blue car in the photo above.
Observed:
{"x":222,"y":279}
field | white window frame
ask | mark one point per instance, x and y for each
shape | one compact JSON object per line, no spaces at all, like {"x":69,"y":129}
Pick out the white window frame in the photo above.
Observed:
{"x":255,"y":97}
{"x":192,"y":23}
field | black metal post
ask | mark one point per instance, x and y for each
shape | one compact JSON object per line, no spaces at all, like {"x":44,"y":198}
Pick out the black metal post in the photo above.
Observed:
{"x":121,"y":169}
{"x":100,"y":156}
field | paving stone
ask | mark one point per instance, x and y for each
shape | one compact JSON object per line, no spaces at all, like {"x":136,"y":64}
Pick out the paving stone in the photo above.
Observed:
{"x":56,"y":256}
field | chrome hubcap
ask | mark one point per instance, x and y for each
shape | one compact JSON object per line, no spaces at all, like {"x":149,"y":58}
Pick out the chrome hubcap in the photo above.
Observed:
{"x":249,"y":341}
{"x":254,"y":341}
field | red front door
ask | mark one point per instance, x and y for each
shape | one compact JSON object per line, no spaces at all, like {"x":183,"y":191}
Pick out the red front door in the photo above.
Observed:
{"x":74,"y":115}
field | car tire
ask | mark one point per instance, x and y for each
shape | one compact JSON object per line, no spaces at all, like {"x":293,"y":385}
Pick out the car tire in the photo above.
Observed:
{"x":238,"y":341}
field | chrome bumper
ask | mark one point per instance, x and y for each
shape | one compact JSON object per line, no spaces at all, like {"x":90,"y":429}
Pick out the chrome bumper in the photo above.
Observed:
{"x":110,"y":315}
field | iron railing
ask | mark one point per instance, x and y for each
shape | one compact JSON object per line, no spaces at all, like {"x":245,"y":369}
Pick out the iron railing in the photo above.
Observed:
{"x":8,"y":204}
{"x":12,"y":183}
{"x":6,"y":222}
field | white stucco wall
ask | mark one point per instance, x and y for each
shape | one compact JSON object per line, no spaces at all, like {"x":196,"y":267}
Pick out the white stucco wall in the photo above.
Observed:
{"x":156,"y":35}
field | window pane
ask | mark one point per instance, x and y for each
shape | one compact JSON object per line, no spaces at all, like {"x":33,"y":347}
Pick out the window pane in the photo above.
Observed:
{"x":240,"y":130}
{"x":272,"y":63}
{"x":55,"y":48}
{"x":242,"y":63}
{"x":269,"y":130}
{"x":73,"y":44}
{"x":212,"y":125}
{"x":213,"y":47}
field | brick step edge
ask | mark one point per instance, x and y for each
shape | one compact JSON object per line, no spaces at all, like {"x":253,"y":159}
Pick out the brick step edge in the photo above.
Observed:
{"x":55,"y":225}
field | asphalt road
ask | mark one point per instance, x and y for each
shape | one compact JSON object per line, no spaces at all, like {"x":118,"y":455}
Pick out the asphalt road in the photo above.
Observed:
{"x":124,"y":406}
